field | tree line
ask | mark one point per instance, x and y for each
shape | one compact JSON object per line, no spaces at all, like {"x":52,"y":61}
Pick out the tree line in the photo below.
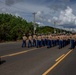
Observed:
{"x":13,"y":28}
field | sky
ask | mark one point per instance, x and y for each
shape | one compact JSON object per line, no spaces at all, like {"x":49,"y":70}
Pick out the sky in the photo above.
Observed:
{"x":55,"y":13}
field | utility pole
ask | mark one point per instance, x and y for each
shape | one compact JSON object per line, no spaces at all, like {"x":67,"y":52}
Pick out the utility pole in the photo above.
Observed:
{"x":54,"y":27}
{"x":34,"y":22}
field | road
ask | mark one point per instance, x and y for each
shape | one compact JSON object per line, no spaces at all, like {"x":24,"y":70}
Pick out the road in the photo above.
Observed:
{"x":36,"y":61}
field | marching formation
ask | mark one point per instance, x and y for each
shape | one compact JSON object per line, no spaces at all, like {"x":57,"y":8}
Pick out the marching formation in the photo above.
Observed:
{"x":49,"y":40}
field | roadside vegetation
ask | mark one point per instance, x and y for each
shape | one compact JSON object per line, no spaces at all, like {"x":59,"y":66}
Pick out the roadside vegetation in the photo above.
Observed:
{"x":12,"y":28}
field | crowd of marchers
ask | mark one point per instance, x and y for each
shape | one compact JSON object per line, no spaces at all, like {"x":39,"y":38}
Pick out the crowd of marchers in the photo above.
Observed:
{"x":50,"y":40}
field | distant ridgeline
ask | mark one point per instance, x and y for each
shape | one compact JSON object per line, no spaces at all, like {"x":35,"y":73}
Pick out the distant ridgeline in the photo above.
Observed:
{"x":12,"y":28}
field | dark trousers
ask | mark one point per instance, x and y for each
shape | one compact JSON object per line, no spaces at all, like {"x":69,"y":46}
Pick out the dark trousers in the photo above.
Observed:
{"x":72,"y":44}
{"x":24,"y":43}
{"x":60,"y":44}
{"x":49,"y":42}
{"x":43,"y":42}
{"x":39,"y":43}
{"x":34,"y":42}
{"x":29,"y":43}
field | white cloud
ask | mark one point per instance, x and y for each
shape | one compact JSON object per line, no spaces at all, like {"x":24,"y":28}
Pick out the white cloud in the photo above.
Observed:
{"x":44,"y":14}
{"x":3,"y":10}
{"x":40,"y":16}
{"x":39,"y":13}
{"x":49,"y":20}
{"x":65,"y":17}
{"x":17,"y":15}
{"x":40,"y":24}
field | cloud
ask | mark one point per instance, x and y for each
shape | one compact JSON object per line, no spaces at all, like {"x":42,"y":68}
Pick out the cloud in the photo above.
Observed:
{"x":11,"y":2}
{"x":57,"y":5}
{"x":39,"y":16}
{"x":49,"y":20}
{"x":17,"y":15}
{"x":42,"y":16}
{"x":67,"y":16}
{"x":3,"y":9}
{"x":47,"y":11}
{"x":40,"y":24}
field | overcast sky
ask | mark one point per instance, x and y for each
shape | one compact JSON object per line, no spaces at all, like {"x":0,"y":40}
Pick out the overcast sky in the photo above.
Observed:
{"x":62,"y":12}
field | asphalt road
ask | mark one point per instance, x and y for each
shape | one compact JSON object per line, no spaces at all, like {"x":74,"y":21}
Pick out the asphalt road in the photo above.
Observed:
{"x":36,"y":61}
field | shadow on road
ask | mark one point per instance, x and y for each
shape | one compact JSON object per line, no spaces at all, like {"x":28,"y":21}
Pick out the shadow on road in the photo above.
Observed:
{"x":2,"y":61}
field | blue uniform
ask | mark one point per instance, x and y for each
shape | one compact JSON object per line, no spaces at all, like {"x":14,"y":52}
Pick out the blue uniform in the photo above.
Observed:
{"x":60,"y":44}
{"x":34,"y":42}
{"x":49,"y":43}
{"x":24,"y":41}
{"x":72,"y":44}
{"x":29,"y":43}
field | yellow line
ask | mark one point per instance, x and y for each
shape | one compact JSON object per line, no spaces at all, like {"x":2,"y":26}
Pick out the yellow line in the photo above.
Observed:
{"x":17,"y":53}
{"x":45,"y":73}
{"x":59,"y":57}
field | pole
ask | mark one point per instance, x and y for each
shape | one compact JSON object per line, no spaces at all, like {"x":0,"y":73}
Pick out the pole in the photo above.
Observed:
{"x":54,"y":27}
{"x":34,"y":22}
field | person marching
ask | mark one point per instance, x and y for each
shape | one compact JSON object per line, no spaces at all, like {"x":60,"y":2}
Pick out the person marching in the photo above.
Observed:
{"x":24,"y":40}
{"x":54,"y":40}
{"x":43,"y":40}
{"x":34,"y":40}
{"x":30,"y":41}
{"x":72,"y":43}
{"x":39,"y":44}
{"x":49,"y":41}
{"x":60,"y":42}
